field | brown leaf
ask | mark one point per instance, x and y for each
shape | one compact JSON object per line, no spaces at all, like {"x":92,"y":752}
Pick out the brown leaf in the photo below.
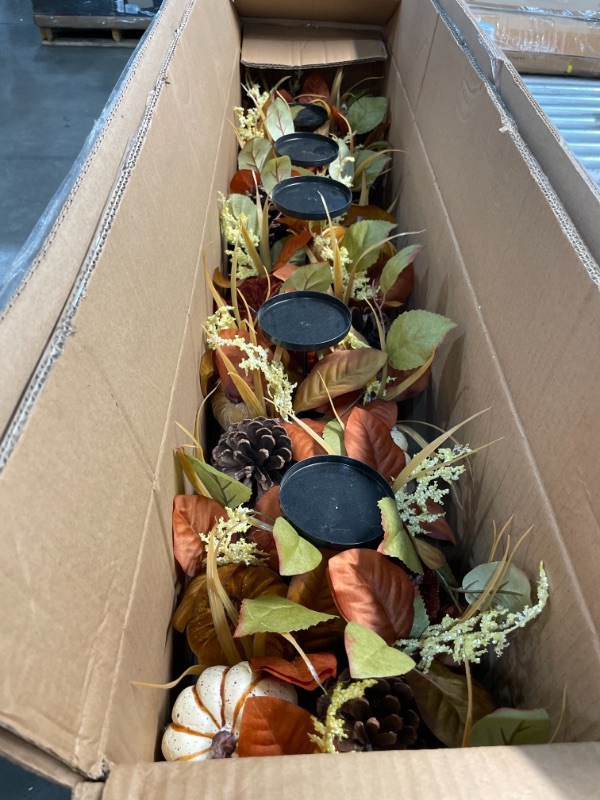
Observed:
{"x":312,"y":590}
{"x":273,"y":727}
{"x":429,"y":588}
{"x":430,"y":555}
{"x":441,"y":697}
{"x":296,"y":671}
{"x":268,"y":509}
{"x":368,"y":439}
{"x":343,"y":404}
{"x":192,"y":514}
{"x":401,"y":375}
{"x":359,"y":213}
{"x":235,"y":355}
{"x":314,"y":87}
{"x":285,"y":95}
{"x":243,"y":182}
{"x":208,"y":372}
{"x":291,"y":246}
{"x":196,"y":588}
{"x":256,"y":291}
{"x":283,"y":273}
{"x":385,"y":410}
{"x":369,"y":589}
{"x":303,"y":445}
{"x":341,"y":371}
{"x":440,"y":528}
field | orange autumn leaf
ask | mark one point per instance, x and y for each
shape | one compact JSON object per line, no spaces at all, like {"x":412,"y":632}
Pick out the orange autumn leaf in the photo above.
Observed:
{"x":314,"y":87}
{"x":343,"y":404}
{"x":267,"y":509}
{"x":340,"y":122}
{"x":255,"y":291}
{"x":291,"y":246}
{"x":311,"y":589}
{"x":274,"y":727}
{"x":368,"y":439}
{"x":285,"y":95}
{"x":401,"y":375}
{"x":244,"y":182}
{"x":192,"y":514}
{"x":385,"y":410}
{"x":283,"y":273}
{"x":369,"y":589}
{"x":303,"y":445}
{"x":296,"y":671}
{"x":358,"y":213}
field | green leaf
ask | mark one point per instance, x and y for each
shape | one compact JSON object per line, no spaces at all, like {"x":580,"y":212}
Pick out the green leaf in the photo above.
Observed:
{"x":367,"y":113}
{"x":275,"y":170}
{"x":514,"y":594}
{"x":369,"y":163}
{"x":370,"y":657}
{"x":333,"y":433}
{"x":442,"y":699}
{"x":421,"y":620}
{"x":225,"y":490}
{"x":398,"y":264}
{"x":254,"y":154}
{"x":397,"y":543}
{"x":341,"y":168}
{"x":272,"y":614}
{"x":413,"y":336}
{"x":512,"y":726}
{"x":296,"y":555}
{"x":313,"y":277}
{"x":363,"y":235}
{"x":279,"y":119}
{"x":242,"y":205}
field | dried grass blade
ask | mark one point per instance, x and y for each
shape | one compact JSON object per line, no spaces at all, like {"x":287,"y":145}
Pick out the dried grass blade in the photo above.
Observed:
{"x":217,"y":609}
{"x":199,"y":487}
{"x":245,"y":391}
{"x":395,"y":391}
{"x":195,"y":670}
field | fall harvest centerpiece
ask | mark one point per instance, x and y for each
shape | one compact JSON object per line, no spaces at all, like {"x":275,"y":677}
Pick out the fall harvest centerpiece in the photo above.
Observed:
{"x":321,"y":603}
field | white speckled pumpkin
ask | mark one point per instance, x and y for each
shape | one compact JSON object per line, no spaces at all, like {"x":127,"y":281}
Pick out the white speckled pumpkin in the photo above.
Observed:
{"x":207,"y":716}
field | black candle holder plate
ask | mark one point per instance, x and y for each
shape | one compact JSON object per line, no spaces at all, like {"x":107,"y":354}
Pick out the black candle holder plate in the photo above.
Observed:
{"x":311,"y":197}
{"x":304,"y":321}
{"x":307,"y":149}
{"x":310,"y":117}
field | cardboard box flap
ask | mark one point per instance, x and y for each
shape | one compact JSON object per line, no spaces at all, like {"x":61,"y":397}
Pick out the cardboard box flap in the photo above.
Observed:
{"x":549,"y":771}
{"x":577,"y":9}
{"x":280,"y":46}
{"x":347,"y":11}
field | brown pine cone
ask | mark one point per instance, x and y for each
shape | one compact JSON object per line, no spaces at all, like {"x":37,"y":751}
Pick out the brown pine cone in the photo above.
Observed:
{"x":385,"y":718}
{"x":255,"y":452}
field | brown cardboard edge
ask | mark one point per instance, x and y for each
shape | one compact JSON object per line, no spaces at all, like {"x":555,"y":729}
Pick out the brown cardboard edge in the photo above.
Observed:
{"x":88,"y":791}
{"x":357,"y":11}
{"x":552,"y":772}
{"x":35,"y":760}
{"x":570,"y":182}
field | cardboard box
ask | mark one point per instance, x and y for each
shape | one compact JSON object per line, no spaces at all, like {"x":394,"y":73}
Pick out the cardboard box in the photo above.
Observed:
{"x":89,"y":412}
{"x":542,"y":43}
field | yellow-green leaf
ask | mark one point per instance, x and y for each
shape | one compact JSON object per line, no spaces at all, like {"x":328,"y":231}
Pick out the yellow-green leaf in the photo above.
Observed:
{"x":514,"y":593}
{"x":222,"y":488}
{"x":313,"y":277}
{"x":333,"y":433}
{"x":397,"y":264}
{"x":271,"y":614}
{"x":254,"y":154}
{"x":512,"y":726}
{"x":420,"y":620}
{"x":370,"y":657}
{"x":279,"y":119}
{"x":397,"y":543}
{"x":363,"y":235}
{"x":366,"y":114}
{"x":296,"y":555}
{"x":413,"y":336}
{"x":341,"y":371}
{"x":274,"y":171}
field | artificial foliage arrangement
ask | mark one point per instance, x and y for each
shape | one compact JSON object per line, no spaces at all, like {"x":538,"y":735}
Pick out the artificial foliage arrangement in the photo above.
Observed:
{"x":321,"y":604}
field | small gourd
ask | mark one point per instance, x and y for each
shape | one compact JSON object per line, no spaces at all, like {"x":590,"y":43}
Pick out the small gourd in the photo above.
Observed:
{"x":207,"y":716}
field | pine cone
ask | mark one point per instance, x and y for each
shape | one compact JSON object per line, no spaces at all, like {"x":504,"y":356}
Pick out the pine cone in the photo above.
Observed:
{"x":255,"y":452}
{"x":385,"y":718}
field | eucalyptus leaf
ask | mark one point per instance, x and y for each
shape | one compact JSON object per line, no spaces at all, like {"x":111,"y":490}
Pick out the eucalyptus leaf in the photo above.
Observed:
{"x":313,"y":277}
{"x":370,"y":657}
{"x":342,"y":168}
{"x":254,"y":154}
{"x":512,"y":726}
{"x":242,"y":206}
{"x":274,"y":171}
{"x":413,"y":336}
{"x":279,"y":119}
{"x":367,"y":113}
{"x":363,"y":235}
{"x":296,"y":555}
{"x":222,"y":488}
{"x":397,"y":543}
{"x":514,"y":593}
{"x":371,"y":165}
{"x":397,"y":264}
{"x":272,"y":614}
{"x":442,"y":699}
{"x":333,"y":433}
{"x":421,"y":620}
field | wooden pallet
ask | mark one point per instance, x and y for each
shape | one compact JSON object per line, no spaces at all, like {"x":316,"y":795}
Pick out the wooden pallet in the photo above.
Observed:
{"x":91,"y":31}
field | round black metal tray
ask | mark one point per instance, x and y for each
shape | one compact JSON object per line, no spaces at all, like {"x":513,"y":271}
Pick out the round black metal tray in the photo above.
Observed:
{"x":308,"y":197}
{"x":304,"y":321}
{"x":310,"y":117}
{"x":307,"y":149}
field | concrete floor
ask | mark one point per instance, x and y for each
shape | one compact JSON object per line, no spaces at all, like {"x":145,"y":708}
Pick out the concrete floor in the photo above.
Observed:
{"x":50,"y":97}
